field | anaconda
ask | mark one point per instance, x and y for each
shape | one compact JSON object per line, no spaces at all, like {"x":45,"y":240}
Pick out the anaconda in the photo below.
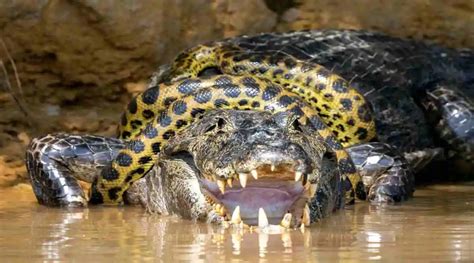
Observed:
{"x":327,"y":94}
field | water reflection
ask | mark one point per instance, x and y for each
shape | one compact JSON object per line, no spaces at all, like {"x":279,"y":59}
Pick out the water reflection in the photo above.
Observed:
{"x":436,"y":225}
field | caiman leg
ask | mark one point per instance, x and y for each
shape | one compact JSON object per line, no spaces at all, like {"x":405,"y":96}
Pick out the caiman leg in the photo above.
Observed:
{"x":56,"y":162}
{"x":452,"y":113}
{"x":419,"y":159}
{"x":330,"y":189}
{"x":172,"y":187}
{"x":385,"y":173}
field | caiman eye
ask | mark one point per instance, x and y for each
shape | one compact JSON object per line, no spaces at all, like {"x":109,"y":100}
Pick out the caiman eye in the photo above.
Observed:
{"x":209,"y":71}
{"x":211,"y":128}
{"x":218,"y":125}
{"x":297,"y":125}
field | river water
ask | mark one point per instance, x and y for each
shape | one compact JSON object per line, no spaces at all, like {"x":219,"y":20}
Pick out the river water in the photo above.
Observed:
{"x":437,"y":225}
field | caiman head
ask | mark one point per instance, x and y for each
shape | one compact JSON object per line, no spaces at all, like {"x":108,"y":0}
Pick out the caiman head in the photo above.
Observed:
{"x":238,"y":165}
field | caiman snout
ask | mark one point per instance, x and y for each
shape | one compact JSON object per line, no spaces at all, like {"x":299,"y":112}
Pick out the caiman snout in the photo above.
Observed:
{"x":255,"y":167}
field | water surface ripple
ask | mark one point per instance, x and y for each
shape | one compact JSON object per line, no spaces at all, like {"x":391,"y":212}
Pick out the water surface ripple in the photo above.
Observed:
{"x":436,"y":225}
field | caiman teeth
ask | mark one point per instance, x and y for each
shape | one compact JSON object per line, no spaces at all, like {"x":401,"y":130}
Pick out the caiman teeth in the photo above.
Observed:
{"x":235,"y":219}
{"x":312,"y":190}
{"x":286,"y":221}
{"x":302,"y":228}
{"x":306,"y":220}
{"x":243,"y":179}
{"x":254,"y":174}
{"x":262,"y":218}
{"x":298,"y":176}
{"x":229,"y":182}
{"x":272,"y":168}
{"x":221,"y":185}
{"x":220,"y":209}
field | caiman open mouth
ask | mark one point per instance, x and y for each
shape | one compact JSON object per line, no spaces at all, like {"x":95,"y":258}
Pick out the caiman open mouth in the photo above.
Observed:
{"x":268,"y":194}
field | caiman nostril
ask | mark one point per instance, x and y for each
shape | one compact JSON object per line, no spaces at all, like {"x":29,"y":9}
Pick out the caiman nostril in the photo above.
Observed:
{"x":263,"y":136}
{"x":269,"y":133}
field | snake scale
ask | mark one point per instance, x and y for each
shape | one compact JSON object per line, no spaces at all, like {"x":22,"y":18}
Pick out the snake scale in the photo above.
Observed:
{"x":252,"y":82}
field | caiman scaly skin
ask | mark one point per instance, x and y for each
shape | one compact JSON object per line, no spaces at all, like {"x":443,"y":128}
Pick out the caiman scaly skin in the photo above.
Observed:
{"x":390,"y":104}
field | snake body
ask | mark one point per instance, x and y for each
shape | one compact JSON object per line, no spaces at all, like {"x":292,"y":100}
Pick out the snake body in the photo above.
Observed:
{"x":342,"y":107}
{"x":183,"y":101}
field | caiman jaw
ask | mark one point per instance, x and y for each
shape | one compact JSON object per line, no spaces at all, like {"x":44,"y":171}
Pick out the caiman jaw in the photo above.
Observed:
{"x":270,"y":193}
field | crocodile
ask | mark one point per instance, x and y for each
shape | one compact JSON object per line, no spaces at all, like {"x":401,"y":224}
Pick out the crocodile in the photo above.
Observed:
{"x":275,"y":126}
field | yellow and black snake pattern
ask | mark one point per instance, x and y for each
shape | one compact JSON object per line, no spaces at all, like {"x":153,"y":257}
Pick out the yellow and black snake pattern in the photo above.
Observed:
{"x":250,"y":82}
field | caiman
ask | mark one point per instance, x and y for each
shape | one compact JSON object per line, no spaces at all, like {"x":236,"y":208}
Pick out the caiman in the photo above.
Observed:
{"x":278,"y":126}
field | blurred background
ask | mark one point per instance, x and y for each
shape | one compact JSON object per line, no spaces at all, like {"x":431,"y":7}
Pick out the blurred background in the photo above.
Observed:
{"x":73,"y":65}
